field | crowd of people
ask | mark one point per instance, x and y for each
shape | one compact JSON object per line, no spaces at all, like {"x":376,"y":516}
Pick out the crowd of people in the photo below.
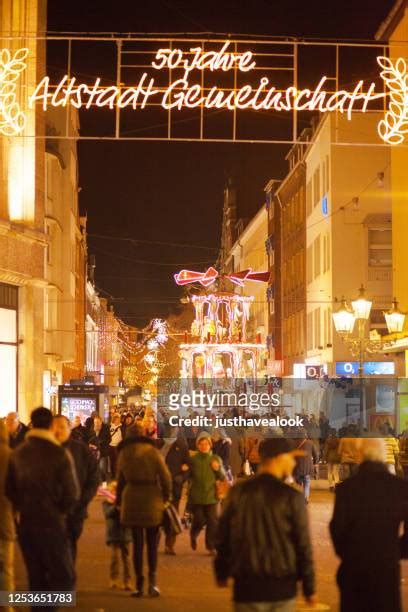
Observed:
{"x":248,"y":491}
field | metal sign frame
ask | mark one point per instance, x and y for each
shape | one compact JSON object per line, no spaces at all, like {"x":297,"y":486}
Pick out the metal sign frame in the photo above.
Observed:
{"x":281,"y":60}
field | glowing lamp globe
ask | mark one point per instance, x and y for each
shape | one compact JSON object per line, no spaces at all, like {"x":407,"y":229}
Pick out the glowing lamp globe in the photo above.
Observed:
{"x":344,"y":319}
{"x":394,"y":318}
{"x":361,"y":306}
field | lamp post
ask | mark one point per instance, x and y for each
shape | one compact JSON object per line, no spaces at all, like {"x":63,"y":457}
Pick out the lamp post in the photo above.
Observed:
{"x":345,"y":320}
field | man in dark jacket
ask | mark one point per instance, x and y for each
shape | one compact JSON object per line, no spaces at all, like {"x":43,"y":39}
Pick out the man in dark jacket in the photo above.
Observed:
{"x":369,"y":510}
{"x":42,"y":486}
{"x":87,"y":475}
{"x":263,"y":537}
{"x":16,"y":429}
{"x":178,"y":462}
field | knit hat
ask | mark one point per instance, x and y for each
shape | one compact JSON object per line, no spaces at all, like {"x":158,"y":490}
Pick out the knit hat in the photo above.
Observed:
{"x":204,"y":435}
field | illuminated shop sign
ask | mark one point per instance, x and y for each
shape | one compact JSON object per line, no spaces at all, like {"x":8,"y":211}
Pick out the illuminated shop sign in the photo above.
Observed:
{"x":370,"y":368}
{"x":182,"y":92}
{"x":309,"y":371}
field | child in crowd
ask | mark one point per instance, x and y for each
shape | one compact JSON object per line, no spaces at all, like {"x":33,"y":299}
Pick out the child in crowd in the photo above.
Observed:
{"x":118,"y":538}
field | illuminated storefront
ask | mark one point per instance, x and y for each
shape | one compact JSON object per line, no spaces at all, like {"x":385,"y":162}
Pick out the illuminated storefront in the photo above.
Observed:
{"x":8,"y":348}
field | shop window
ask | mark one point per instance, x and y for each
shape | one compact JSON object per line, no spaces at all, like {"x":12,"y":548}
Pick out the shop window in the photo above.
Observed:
{"x":8,"y":349}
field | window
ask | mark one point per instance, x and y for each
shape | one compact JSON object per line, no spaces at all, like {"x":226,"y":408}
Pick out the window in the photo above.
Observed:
{"x":316,"y":257}
{"x":316,"y":186}
{"x":329,"y":326}
{"x":309,"y":205}
{"x":326,"y":185}
{"x":317,"y":330}
{"x":379,"y":247}
{"x":309,"y":331}
{"x":48,"y":247}
{"x":309,"y":264}
{"x":326,"y":253}
{"x":8,"y":349}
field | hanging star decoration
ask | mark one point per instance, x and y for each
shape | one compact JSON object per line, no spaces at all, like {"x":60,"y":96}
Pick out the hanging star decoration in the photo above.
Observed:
{"x":12,"y":118}
{"x":154,"y":345}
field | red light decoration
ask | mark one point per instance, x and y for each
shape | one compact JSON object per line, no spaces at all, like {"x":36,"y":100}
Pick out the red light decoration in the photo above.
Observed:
{"x":186,"y":277}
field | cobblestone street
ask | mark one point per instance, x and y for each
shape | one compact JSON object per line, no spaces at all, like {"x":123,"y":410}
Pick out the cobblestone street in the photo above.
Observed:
{"x":186,"y":580}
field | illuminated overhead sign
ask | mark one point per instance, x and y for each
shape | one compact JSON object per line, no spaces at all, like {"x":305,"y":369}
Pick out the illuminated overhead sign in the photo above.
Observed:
{"x":181,"y":93}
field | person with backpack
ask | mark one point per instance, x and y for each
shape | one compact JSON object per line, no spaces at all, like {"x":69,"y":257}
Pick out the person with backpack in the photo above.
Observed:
{"x":263,"y":539}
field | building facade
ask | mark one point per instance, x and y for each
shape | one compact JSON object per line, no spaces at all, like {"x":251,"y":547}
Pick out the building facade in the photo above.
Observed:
{"x":64,"y":318}
{"x":348,"y":231}
{"x":23,"y":241}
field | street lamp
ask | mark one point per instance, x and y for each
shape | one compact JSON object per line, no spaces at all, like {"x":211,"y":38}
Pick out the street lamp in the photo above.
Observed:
{"x":394,"y":318}
{"x":361,"y":306}
{"x":344,"y":319}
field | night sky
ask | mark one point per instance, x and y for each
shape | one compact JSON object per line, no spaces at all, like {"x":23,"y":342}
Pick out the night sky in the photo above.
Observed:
{"x":172,"y":192}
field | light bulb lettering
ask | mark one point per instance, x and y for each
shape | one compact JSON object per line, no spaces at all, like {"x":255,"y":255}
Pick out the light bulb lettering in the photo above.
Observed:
{"x":181,"y":93}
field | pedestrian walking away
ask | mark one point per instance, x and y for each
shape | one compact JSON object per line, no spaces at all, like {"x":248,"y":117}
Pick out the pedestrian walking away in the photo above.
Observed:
{"x":332,"y":457}
{"x":304,"y":468}
{"x":369,"y":511}
{"x":86,"y":468}
{"x":263,"y":539}
{"x":144,"y":487}
{"x":42,"y":486}
{"x":178,"y":463}
{"x":118,"y":539}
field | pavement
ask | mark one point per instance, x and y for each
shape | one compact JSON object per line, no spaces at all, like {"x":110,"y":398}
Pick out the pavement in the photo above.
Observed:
{"x":186,"y":580}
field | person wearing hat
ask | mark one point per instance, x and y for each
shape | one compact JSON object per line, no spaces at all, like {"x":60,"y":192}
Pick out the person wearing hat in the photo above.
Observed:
{"x":206,"y":468}
{"x":263,"y":539}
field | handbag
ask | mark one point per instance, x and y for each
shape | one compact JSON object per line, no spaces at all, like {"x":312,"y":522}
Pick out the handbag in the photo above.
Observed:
{"x":171,"y":521}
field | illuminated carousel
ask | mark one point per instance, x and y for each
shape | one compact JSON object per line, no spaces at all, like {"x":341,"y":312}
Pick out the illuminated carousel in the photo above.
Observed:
{"x":217,"y":352}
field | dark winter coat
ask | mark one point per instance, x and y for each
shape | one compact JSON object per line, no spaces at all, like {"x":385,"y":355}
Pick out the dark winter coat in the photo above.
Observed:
{"x":263,"y":541}
{"x":144,"y":483}
{"x":41,"y":482}
{"x":222,"y":448}
{"x":88,"y":478}
{"x":115,"y":532}
{"x":203,"y":478}
{"x":176,"y":457}
{"x":18,"y":437}
{"x":79,"y":433}
{"x":304,"y":465}
{"x":7,"y":531}
{"x":368,"y":513}
{"x":101,"y":440}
